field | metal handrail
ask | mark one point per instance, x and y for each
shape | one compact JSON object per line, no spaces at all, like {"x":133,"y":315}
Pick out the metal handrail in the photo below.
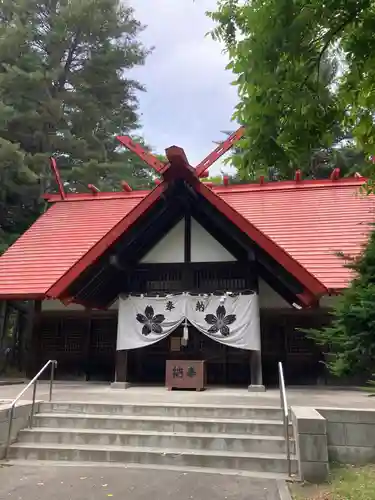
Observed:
{"x":34,"y":381}
{"x":285,"y":410}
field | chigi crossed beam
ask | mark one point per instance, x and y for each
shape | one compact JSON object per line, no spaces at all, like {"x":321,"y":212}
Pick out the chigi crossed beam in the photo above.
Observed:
{"x":176,"y":154}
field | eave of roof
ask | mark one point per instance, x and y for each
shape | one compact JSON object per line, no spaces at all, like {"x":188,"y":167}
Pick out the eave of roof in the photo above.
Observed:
{"x":104,"y":243}
{"x":242,"y":204}
{"x":311,"y":283}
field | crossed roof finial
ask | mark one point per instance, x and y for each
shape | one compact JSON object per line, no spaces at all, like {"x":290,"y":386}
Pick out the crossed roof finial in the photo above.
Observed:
{"x":176,"y":156}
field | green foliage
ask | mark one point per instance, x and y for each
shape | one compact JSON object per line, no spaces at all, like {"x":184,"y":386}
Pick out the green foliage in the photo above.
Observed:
{"x":217,"y":180}
{"x":370,"y":388}
{"x":321,"y":163}
{"x":345,"y":482}
{"x":350,"y":338}
{"x":288,"y":56}
{"x":121,"y":165}
{"x":64,"y":91}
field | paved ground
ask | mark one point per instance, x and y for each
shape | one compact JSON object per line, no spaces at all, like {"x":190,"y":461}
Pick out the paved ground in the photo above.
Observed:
{"x":317,"y":397}
{"x":94,"y":483}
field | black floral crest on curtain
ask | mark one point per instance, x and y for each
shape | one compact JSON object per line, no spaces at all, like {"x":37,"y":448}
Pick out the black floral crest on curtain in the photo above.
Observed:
{"x":150,"y":321}
{"x":220,"y":322}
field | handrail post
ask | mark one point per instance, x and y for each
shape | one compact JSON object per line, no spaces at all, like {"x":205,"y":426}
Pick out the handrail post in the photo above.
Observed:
{"x":53,"y":365}
{"x":286,"y":431}
{"x":10,"y":425}
{"x":34,"y":382}
{"x":285,"y":410}
{"x":33,"y":405}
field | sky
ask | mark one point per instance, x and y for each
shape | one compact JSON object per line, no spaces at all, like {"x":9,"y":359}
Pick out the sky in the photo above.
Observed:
{"x":189,"y":98}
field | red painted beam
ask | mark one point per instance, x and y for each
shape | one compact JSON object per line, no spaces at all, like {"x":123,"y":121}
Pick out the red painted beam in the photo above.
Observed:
{"x":219,"y":151}
{"x":56,"y":173}
{"x":93,"y":189}
{"x":179,"y":166}
{"x":335,"y":175}
{"x":313,"y":287}
{"x":177,"y":155}
{"x":125,"y":186}
{"x":137,"y":149}
{"x":61,"y":285}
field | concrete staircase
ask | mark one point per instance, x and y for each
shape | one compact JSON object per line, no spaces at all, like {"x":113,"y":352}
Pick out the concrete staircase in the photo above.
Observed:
{"x":227,"y":439}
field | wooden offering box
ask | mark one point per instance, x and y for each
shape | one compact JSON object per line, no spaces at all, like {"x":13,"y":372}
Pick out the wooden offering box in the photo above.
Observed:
{"x":185,"y":374}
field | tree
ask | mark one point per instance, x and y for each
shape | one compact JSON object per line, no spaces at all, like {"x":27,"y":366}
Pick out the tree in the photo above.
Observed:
{"x":18,"y":205}
{"x":64,"y":91}
{"x":351,"y":336}
{"x":107,"y":176}
{"x":287,"y":57}
{"x":346,"y":157}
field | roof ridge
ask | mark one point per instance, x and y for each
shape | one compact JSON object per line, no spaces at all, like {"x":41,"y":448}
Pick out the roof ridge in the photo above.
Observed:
{"x":101,"y":196}
{"x":290,"y":185}
{"x":238,"y":188}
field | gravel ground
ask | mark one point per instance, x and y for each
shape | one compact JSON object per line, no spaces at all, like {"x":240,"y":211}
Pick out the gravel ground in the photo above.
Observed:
{"x":96,"y":483}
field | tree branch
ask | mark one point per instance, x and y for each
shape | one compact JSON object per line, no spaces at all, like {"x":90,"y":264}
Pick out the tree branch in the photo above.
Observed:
{"x":68,"y":63}
{"x":327,"y":43}
{"x":333,"y":34}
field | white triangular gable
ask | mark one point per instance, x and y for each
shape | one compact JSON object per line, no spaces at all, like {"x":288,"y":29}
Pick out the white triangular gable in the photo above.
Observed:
{"x":205,"y":248}
{"x":171,"y":248}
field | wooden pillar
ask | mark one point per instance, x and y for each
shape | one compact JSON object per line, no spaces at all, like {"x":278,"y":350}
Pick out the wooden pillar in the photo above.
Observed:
{"x":3,"y":314}
{"x":33,"y":338}
{"x":121,"y":372}
{"x":256,"y":369}
{"x":256,"y":374}
{"x":225,"y":364}
{"x":87,"y":345}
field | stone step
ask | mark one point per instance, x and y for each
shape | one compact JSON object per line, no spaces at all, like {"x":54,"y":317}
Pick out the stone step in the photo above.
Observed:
{"x":184,"y":470}
{"x":256,"y":462}
{"x":150,"y":439}
{"x":167,"y":410}
{"x":160,"y":424}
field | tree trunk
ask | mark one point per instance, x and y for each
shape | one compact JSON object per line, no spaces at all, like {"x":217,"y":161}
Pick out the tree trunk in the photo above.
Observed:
{"x":3,"y":318}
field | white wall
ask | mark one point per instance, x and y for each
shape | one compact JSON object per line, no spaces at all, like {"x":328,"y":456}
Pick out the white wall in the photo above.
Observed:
{"x":170,"y":249}
{"x":204,"y":248}
{"x":328,"y":301}
{"x":269,"y":299}
{"x":56,"y":305}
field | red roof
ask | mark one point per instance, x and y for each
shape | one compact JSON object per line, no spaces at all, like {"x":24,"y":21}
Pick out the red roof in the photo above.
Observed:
{"x":56,"y":241}
{"x":312,"y":221}
{"x":309,"y":220}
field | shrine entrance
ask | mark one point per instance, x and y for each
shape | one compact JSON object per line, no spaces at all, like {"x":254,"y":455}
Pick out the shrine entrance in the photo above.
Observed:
{"x":225,"y":365}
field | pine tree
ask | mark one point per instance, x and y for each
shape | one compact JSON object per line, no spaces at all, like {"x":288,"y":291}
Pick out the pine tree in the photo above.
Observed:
{"x":351,"y":336}
{"x":64,"y":91}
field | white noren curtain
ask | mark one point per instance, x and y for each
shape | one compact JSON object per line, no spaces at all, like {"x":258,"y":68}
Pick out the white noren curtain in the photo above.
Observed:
{"x":230,"y":319}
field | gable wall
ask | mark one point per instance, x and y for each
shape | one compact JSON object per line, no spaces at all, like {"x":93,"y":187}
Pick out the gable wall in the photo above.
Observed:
{"x":171,"y":248}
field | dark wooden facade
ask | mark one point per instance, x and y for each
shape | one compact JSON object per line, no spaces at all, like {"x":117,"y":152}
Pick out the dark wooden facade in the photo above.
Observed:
{"x":84,"y":343}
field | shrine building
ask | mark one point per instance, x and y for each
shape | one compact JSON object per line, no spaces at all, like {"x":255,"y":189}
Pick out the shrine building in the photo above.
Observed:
{"x":123,"y":282}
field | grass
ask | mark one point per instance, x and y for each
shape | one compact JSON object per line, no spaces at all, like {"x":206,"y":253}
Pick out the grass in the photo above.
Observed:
{"x":345,"y":483}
